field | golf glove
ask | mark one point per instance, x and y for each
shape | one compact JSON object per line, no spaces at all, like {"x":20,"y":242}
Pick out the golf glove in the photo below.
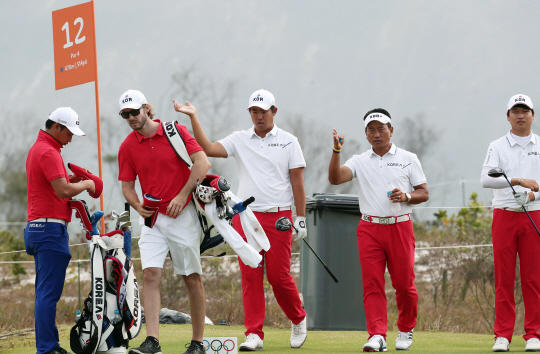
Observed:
{"x":300,"y":225}
{"x":522,"y":198}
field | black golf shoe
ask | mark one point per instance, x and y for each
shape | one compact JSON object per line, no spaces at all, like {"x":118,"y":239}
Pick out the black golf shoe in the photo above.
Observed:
{"x":194,"y":348}
{"x":59,"y":350}
{"x":149,"y":346}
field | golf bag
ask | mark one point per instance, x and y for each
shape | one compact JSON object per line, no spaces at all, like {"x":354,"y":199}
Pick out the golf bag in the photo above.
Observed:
{"x":111,"y":313}
{"x":211,"y":189}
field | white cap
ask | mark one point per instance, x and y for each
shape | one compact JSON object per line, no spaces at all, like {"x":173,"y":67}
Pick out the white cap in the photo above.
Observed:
{"x":262,"y":98}
{"x":68,"y":118}
{"x":520,"y":99}
{"x":379,"y":117}
{"x":132,"y":99}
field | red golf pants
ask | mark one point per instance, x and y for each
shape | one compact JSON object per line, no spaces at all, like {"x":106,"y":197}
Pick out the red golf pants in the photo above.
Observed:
{"x":513,"y":234}
{"x":391,"y":246}
{"x":278,"y":272}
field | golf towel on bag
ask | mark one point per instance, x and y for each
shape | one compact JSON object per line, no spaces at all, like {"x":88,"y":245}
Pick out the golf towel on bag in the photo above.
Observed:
{"x":249,"y":255}
{"x":252,"y":228}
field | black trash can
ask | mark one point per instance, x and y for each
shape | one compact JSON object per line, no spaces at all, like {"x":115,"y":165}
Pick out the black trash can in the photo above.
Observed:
{"x":332,"y":220}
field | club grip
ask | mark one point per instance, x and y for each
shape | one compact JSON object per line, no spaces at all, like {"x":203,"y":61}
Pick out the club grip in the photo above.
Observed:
{"x":248,"y":201}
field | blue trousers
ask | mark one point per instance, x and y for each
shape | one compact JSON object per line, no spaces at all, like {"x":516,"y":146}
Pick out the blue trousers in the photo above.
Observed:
{"x":48,"y":243}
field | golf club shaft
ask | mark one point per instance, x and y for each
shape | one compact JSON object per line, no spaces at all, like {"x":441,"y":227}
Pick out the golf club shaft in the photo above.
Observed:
{"x":319,"y":258}
{"x":523,"y":206}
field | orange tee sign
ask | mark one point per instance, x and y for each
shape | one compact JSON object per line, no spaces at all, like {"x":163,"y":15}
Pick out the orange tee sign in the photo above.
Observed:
{"x":74,"y":45}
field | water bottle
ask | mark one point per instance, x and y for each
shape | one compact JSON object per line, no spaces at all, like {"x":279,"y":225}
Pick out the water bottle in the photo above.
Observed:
{"x":394,"y":206}
{"x":117,"y":318}
{"x":77,"y":315}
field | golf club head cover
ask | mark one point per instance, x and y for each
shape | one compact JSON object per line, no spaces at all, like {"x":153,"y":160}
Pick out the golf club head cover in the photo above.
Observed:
{"x":81,"y":212}
{"x":151,"y":203}
{"x":219,"y":183}
{"x":85,"y":175}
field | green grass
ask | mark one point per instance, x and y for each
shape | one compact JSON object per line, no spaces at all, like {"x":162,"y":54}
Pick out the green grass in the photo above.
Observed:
{"x":174,"y":337}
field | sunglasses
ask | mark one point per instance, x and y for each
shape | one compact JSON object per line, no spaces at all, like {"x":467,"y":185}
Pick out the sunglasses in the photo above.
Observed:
{"x":133,"y":112}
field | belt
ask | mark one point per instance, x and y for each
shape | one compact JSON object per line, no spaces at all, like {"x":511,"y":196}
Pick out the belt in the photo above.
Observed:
{"x":276,"y":209}
{"x":59,"y":221}
{"x":386,"y":221}
{"x":520,"y":209}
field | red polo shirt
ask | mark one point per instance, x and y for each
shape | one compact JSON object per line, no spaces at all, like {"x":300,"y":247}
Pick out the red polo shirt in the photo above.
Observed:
{"x":43,"y":164}
{"x":161,"y":172}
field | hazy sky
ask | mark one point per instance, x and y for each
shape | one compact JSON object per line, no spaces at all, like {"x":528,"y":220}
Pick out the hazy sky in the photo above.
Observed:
{"x":455,"y":62}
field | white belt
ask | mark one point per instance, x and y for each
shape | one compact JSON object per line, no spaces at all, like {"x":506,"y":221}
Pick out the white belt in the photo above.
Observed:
{"x":276,"y":209}
{"x":520,"y":209}
{"x":59,"y":221}
{"x":386,"y":221}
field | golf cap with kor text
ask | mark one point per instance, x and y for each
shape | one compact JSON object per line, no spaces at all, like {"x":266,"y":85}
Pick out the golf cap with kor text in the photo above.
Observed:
{"x":379,"y":117}
{"x":520,"y":99}
{"x":132,"y":99}
{"x":263,"y":99}
{"x":68,"y":118}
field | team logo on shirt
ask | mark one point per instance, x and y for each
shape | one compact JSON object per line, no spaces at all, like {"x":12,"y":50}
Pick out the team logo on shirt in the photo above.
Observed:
{"x":394,"y":164}
{"x":534,"y":153}
{"x":279,"y":145}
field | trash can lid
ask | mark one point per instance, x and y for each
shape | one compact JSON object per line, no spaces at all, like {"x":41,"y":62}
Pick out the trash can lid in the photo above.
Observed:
{"x":344,"y":202}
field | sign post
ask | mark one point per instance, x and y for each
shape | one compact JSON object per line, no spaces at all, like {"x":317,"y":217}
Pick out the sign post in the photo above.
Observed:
{"x":75,"y":57}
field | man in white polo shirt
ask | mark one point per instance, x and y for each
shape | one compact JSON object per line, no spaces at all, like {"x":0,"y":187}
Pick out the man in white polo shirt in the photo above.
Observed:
{"x":385,"y":234}
{"x":270,"y":168}
{"x":518,"y":154}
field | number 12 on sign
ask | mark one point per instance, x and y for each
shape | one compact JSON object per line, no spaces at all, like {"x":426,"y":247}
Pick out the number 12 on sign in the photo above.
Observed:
{"x":74,"y":57}
{"x":78,"y":39}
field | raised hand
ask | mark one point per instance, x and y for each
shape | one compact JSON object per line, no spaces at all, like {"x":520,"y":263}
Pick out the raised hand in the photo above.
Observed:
{"x":339,"y":140}
{"x":188,"y":109}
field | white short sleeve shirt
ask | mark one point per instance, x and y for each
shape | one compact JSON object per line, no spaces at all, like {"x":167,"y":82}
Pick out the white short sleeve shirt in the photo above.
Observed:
{"x":517,"y":162}
{"x":373,"y":172}
{"x":263,"y":165}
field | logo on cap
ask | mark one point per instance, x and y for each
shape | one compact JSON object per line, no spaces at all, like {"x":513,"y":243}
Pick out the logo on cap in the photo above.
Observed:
{"x":127,"y":99}
{"x":258,"y":98}
{"x":519,"y":99}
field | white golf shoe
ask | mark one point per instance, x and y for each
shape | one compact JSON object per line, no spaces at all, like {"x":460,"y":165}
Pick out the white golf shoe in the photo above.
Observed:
{"x":501,"y":345}
{"x":404,"y":340}
{"x":299,"y":333}
{"x":253,"y":342}
{"x":533,"y":345}
{"x":376,"y":343}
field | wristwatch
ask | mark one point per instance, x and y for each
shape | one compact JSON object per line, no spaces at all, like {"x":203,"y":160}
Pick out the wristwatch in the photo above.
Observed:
{"x":408,"y":195}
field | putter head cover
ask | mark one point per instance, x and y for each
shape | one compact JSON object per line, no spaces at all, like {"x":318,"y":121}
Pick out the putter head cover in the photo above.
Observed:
{"x":81,"y":212}
{"x":151,"y":203}
{"x":205,"y":194}
{"x":85,"y":175}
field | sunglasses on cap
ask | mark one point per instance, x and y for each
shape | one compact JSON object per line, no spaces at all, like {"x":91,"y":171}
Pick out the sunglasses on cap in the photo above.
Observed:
{"x":133,"y":112}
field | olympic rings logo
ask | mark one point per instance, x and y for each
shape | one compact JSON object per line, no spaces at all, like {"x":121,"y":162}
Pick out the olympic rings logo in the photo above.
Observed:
{"x":218,"y":347}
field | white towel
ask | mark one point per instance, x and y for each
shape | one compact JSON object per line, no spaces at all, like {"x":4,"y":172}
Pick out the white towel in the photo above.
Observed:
{"x":253,"y":230}
{"x":247,"y":253}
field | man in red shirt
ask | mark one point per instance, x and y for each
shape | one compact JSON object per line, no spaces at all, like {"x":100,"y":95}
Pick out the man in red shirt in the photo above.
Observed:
{"x":147,"y":154}
{"x":45,"y":236}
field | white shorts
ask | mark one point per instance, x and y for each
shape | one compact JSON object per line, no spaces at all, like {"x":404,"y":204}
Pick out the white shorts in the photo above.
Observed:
{"x":181,"y":237}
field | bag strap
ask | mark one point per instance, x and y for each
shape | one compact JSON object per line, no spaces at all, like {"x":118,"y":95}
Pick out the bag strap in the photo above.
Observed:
{"x":177,"y":142}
